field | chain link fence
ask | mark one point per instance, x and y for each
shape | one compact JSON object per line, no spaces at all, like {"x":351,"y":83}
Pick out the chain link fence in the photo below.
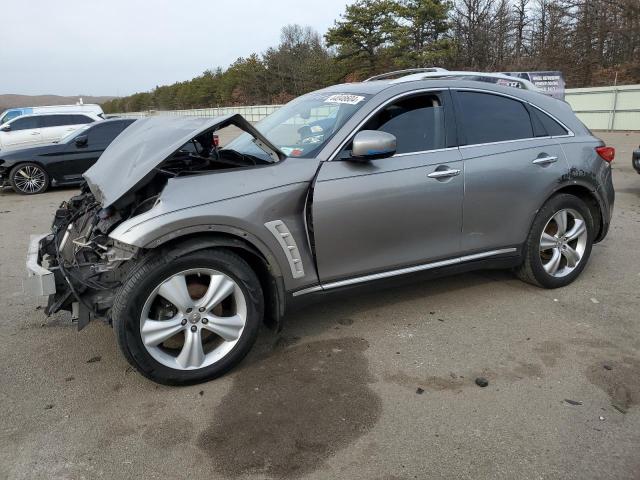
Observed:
{"x":252,"y":113}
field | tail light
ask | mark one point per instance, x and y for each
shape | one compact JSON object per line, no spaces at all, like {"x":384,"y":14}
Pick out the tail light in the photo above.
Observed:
{"x":606,"y":153}
{"x":216,"y":140}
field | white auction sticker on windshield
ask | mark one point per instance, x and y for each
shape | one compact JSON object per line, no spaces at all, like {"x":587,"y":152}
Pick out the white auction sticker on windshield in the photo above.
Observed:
{"x":344,"y":98}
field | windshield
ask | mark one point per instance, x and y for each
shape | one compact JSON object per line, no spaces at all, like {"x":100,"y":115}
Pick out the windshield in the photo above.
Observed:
{"x":303,"y":126}
{"x":71,"y":135}
{"x":9,"y":115}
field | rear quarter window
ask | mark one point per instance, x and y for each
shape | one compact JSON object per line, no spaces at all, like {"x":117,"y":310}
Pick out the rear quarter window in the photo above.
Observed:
{"x":551,"y":127}
{"x":488,"y":118}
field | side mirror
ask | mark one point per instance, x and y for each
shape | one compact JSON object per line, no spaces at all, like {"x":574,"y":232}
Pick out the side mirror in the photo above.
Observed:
{"x":81,"y":141}
{"x":372,"y":144}
{"x":6,"y":128}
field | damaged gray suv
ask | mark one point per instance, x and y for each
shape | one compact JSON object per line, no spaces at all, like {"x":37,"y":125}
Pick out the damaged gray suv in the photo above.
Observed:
{"x":186,"y":248}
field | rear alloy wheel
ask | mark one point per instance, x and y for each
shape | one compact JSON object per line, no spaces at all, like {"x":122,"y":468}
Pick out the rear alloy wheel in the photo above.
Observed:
{"x":188,"y":319}
{"x":29,"y":179}
{"x":563,"y":242}
{"x":559,"y":244}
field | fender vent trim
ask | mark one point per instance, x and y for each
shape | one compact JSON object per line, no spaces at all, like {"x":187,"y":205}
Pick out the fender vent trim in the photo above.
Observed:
{"x":280,"y":230}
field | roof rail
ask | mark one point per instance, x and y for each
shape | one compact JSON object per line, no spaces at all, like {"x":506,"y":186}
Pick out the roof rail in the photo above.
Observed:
{"x":499,"y":78}
{"x":407,"y":71}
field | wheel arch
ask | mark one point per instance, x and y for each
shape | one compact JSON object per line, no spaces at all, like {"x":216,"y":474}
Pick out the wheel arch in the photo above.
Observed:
{"x":35,"y":162}
{"x":588,"y":195}
{"x":254,"y":253}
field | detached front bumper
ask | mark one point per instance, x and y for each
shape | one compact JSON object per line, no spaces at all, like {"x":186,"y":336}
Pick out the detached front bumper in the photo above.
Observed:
{"x":39,"y":280}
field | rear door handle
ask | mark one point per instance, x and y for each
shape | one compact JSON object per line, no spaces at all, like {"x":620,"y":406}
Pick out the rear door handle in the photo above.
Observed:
{"x":444,"y":173}
{"x":35,"y":133}
{"x":545,"y":160}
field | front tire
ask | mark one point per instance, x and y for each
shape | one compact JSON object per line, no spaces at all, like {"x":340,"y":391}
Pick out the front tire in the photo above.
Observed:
{"x":29,"y":179}
{"x":189,"y":319}
{"x":559,"y":243}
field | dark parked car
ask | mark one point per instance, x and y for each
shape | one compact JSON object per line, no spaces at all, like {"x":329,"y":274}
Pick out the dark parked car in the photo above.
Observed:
{"x":32,"y":170}
{"x":187,"y":253}
{"x":635,"y":159}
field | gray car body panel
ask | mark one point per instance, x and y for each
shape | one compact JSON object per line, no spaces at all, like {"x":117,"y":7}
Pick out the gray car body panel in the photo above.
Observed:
{"x":504,"y":190}
{"x":385,"y":214}
{"x":238,"y":202}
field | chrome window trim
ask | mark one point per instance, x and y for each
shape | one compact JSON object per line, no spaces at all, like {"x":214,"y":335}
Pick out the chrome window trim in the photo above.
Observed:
{"x":403,"y":271}
{"x":514,"y":141}
{"x":517,"y":140}
{"x":380,"y":107}
{"x":423,"y":152}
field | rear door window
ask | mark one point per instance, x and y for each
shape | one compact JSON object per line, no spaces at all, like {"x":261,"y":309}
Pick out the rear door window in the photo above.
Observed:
{"x":488,"y":118}
{"x":104,"y":134}
{"x":54,"y":120}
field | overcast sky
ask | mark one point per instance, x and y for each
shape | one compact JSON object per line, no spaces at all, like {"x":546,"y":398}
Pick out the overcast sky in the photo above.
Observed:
{"x":118,"y":47}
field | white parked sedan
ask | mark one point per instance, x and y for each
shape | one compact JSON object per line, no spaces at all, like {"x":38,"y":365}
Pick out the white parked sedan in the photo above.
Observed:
{"x":29,"y":130}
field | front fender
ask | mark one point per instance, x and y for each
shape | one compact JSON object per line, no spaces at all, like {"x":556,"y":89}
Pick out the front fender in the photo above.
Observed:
{"x":243,"y":217}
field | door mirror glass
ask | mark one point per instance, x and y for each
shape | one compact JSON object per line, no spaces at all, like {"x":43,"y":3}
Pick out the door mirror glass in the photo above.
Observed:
{"x":371,"y":144}
{"x":81,"y":141}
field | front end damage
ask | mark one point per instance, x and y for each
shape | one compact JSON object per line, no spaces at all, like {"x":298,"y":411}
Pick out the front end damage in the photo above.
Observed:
{"x":78,"y":265}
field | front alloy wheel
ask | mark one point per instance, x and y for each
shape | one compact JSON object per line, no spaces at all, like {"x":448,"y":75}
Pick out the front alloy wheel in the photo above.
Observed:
{"x":193,"y":319}
{"x":188,"y":319}
{"x":29,"y":179}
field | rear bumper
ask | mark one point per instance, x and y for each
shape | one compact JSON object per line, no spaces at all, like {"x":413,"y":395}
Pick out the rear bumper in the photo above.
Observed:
{"x":39,"y":280}
{"x":605,"y":196}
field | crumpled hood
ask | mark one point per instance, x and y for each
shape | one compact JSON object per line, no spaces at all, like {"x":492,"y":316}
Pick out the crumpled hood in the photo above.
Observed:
{"x":132,"y":157}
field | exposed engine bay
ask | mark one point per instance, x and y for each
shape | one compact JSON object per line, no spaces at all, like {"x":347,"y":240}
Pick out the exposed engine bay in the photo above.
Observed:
{"x":88,"y":265}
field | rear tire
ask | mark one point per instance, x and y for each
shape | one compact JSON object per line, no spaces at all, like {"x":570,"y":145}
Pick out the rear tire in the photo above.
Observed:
{"x":29,"y":179}
{"x":559,"y":243}
{"x":205,"y":308}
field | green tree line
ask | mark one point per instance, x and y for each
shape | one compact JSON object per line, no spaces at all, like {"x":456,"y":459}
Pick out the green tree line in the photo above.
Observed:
{"x":593,"y":42}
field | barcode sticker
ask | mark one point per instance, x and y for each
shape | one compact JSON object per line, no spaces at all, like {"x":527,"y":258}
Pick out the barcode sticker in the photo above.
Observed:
{"x":344,"y":98}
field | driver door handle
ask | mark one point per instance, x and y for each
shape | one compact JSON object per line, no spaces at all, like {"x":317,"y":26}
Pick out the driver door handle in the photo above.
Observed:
{"x":545,"y":160}
{"x":444,"y":173}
